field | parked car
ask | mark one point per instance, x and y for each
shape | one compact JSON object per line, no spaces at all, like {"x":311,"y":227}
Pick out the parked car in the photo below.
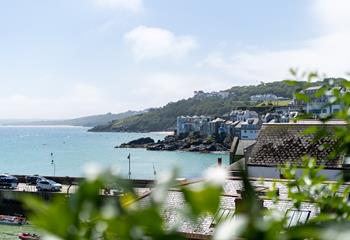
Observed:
{"x":8,"y":181}
{"x":48,"y":185}
{"x":33,"y":179}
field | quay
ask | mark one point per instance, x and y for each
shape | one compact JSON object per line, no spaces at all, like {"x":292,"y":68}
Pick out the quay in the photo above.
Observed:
{"x":10,"y":203}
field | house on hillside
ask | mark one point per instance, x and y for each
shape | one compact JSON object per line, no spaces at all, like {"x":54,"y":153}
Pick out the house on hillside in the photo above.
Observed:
{"x":281,"y":117}
{"x":188,"y":124}
{"x":214,"y":126}
{"x":228,"y":128}
{"x":202,"y":95}
{"x":250,"y":128}
{"x":263,"y":97}
{"x":320,"y":106}
{"x":240,"y":115}
{"x":278,"y":144}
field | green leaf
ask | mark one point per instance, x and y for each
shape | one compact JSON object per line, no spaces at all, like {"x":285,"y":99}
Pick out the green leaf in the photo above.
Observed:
{"x":205,"y":199}
{"x":293,"y":71}
{"x":291,"y":82}
{"x":302,"y":97}
{"x":311,"y":76}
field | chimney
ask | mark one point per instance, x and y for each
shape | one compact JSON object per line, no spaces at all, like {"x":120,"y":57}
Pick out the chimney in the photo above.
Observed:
{"x":219,"y":162}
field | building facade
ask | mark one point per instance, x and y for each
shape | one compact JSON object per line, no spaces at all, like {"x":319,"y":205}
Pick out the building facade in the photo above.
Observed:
{"x":250,"y":129}
{"x":320,"y":106}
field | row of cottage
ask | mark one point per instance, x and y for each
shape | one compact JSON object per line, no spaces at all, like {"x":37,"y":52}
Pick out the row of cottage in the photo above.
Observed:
{"x":241,"y":124}
{"x":246,"y":124}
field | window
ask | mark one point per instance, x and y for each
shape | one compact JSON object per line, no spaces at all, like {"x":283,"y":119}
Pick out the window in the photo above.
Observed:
{"x":324,"y":110}
{"x":315,"y":111}
{"x":295,"y":217}
{"x":221,"y":215}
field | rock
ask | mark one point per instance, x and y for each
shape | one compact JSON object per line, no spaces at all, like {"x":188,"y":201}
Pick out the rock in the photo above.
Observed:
{"x":211,"y":148}
{"x":155,"y":147}
{"x":184,"y":146}
{"x":170,"y":147}
{"x":169,"y":139}
{"x":172,"y":143}
{"x":193,"y":149}
{"x":138,"y":143}
{"x":220,"y":148}
{"x":196,"y":142}
{"x":141,"y":141}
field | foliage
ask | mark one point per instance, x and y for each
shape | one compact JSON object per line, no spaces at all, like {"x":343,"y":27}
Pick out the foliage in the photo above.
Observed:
{"x":85,"y":215}
{"x":278,"y":103}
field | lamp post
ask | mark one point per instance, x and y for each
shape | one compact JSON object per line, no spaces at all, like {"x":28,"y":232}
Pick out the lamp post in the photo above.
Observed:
{"x":53,"y":165}
{"x":129,"y":167}
{"x":154,"y":173}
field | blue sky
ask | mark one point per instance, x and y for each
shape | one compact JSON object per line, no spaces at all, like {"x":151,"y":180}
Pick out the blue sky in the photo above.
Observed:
{"x":62,"y":59}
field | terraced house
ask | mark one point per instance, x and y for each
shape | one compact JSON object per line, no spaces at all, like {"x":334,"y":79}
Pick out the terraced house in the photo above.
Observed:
{"x":281,"y":143}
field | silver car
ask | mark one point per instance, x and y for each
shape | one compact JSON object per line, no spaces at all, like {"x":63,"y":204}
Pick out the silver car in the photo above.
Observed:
{"x":48,"y":185}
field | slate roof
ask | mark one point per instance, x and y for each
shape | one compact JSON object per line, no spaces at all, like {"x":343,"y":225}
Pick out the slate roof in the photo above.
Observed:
{"x":243,"y":144}
{"x":204,"y":228}
{"x":281,"y":143}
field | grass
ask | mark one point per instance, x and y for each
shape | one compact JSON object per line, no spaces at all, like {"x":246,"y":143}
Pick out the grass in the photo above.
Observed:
{"x":8,"y":232}
{"x":279,"y":103}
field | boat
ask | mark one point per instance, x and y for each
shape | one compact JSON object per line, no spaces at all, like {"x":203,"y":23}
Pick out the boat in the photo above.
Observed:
{"x":12,"y":220}
{"x":28,"y":236}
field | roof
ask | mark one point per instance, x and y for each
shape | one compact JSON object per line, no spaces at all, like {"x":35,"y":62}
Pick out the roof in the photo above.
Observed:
{"x":251,"y":121}
{"x":237,"y":166}
{"x":233,"y":188}
{"x":217,"y":120}
{"x":313,"y":88}
{"x":286,"y":143}
{"x":243,"y":144}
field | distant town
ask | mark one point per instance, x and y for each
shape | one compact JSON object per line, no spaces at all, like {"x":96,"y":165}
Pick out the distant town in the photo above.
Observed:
{"x":246,"y":124}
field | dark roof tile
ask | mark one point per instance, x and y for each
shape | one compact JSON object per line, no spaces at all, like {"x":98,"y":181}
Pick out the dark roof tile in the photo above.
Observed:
{"x":282,"y":143}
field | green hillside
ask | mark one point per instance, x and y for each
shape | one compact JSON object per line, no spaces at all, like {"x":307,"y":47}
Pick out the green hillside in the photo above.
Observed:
{"x":88,"y":121}
{"x":164,"y":118}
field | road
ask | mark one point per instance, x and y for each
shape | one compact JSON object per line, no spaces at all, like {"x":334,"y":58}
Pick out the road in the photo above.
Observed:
{"x":22,"y":187}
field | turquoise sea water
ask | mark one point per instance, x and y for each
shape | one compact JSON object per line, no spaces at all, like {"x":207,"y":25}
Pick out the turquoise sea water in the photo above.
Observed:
{"x":26,"y":150}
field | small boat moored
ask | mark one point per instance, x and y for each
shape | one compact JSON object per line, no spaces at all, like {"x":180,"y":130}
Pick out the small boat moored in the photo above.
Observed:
{"x":12,"y":220}
{"x":28,"y":236}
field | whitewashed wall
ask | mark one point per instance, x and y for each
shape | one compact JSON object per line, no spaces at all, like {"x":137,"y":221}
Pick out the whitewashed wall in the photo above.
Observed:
{"x":274,"y":172}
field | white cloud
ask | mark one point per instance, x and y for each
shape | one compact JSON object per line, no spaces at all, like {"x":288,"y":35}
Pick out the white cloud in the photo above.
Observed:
{"x":328,"y":53}
{"x":155,"y":89}
{"x":150,"y":42}
{"x":81,"y":100}
{"x":332,"y":14}
{"x":134,"y":6}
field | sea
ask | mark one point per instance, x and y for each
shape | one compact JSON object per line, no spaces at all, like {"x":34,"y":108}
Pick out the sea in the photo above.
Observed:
{"x":65,"y":151}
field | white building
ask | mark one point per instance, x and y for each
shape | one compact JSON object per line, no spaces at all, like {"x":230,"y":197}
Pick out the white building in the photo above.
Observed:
{"x":185,"y":125}
{"x":320,"y":106}
{"x":250,"y":129}
{"x":202,"y":95}
{"x":263,"y":97}
{"x":243,"y":115}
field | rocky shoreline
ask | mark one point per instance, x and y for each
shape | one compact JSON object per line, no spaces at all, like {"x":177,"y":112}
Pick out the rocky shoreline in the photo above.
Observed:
{"x":173,"y":143}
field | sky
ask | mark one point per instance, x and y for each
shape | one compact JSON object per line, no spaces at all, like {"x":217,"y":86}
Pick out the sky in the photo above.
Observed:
{"x":64,"y":59}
